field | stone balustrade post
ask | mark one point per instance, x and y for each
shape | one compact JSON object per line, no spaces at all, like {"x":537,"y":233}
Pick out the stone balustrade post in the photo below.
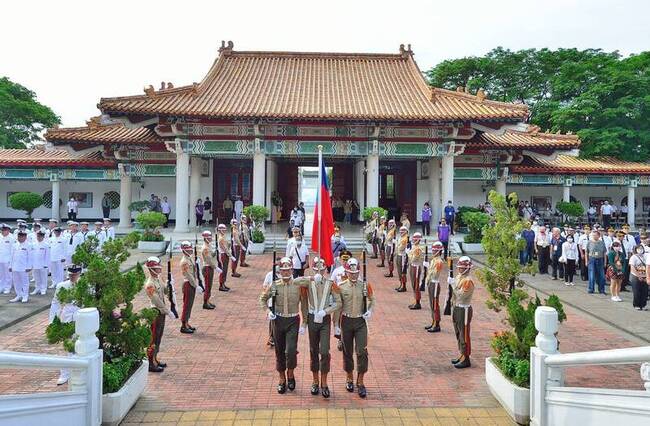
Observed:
{"x":542,"y":376}
{"x":87,"y":347}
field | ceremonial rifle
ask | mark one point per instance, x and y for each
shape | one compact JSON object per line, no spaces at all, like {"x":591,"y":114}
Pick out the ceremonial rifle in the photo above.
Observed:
{"x":196,"y":264}
{"x":273,"y":286}
{"x":365,"y":282}
{"x":171,"y":294}
{"x":450,"y":289}
{"x":426,"y":270}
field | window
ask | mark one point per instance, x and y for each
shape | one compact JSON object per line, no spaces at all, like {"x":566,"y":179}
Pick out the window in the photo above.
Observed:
{"x":246,"y":185}
{"x":390,"y":186}
{"x":234,"y":184}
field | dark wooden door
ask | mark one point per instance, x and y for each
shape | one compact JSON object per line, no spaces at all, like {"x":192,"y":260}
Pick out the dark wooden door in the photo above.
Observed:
{"x":288,"y":187}
{"x":230,"y":178}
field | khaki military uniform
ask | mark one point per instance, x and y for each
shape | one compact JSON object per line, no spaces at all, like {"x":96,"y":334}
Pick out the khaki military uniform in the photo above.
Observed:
{"x":353,"y":326}
{"x":462,"y":312}
{"x":236,"y":248}
{"x":402,"y":259}
{"x":245,"y":238}
{"x":381,"y":235}
{"x":189,"y":287}
{"x":287,"y":296}
{"x":209,"y":265}
{"x":156,"y":292}
{"x":224,"y":250}
{"x":389,"y":249}
{"x":434,"y":286}
{"x":415,"y":256}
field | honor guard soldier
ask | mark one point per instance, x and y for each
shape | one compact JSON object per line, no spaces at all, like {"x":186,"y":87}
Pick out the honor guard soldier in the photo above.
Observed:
{"x":209,"y":267}
{"x":322,"y":301}
{"x":57,"y":256}
{"x":415,"y":259}
{"x":285,"y":295}
{"x":7,"y":242}
{"x":188,"y":270}
{"x":245,"y":238}
{"x":462,"y":311}
{"x":435,"y":267}
{"x":357,"y":302}
{"x":21,"y":264}
{"x":338,"y":276}
{"x":40,"y":263}
{"x":403,"y":244}
{"x":371,"y":230}
{"x":381,"y":236}
{"x":235,"y":247}
{"x":155,"y":290}
{"x":65,"y":312}
{"x":225,"y":256}
{"x":389,"y":247}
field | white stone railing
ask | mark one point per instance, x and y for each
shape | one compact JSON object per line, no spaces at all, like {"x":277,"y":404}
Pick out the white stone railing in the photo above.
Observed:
{"x":551,"y":403}
{"x":82,"y":403}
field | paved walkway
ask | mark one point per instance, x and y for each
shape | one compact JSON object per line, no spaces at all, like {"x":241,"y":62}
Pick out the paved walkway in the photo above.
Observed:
{"x":619,"y":315}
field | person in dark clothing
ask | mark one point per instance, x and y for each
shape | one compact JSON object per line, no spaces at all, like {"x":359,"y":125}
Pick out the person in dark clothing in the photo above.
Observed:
{"x":556,"y":253}
{"x":207,"y":210}
{"x":526,"y":255}
{"x":450,"y":213}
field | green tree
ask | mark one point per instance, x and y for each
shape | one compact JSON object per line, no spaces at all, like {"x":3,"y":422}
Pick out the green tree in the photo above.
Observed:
{"x":602,"y":97}
{"x":22,"y":117}
{"x":25,"y":201}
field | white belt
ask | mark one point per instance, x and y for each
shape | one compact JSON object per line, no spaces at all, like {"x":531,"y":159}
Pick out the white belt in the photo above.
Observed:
{"x":352,"y":316}
{"x":463,"y":306}
{"x":287,"y":315}
{"x":312,"y":312}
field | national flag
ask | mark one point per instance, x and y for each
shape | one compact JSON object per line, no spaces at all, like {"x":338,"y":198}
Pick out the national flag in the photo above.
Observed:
{"x":323,"y":227}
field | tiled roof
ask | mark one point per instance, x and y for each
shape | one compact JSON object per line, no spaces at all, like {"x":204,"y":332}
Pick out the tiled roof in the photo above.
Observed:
{"x":96,"y":132}
{"x":570,"y":164}
{"x":50,"y":158}
{"x":289,"y":85}
{"x":530,"y":138}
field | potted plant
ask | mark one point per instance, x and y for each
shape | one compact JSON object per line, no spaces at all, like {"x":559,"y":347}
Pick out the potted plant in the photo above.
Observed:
{"x":258,"y":215}
{"x":476,"y":223}
{"x":25,"y":201}
{"x":367,"y":216}
{"x":124,"y":333}
{"x":459,"y":223}
{"x":152,"y":241}
{"x":507,"y":373}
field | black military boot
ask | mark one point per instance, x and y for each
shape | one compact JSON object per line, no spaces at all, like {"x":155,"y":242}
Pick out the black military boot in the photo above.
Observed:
{"x":463,"y":362}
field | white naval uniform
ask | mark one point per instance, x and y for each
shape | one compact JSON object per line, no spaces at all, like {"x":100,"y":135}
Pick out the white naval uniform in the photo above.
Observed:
{"x":21,"y":262}
{"x":100,"y":235}
{"x":40,"y":265}
{"x":57,"y":259}
{"x":73,"y":241}
{"x":110,"y":233}
{"x":6,"y":249}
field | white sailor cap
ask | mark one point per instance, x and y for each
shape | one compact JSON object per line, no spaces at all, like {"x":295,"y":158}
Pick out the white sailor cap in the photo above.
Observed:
{"x":54,"y":220}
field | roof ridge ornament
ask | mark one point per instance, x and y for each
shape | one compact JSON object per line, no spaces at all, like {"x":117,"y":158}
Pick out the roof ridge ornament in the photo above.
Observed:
{"x":480,"y":94}
{"x":405,"y":52}
{"x":94,"y":122}
{"x":226,"y":48}
{"x":150,"y":91}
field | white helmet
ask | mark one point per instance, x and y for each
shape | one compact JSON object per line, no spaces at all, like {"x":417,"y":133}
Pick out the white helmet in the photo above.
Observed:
{"x":153,"y":263}
{"x":352,"y":266}
{"x":403,"y":229}
{"x":319,"y":264}
{"x":186,"y":247}
{"x":221,"y":227}
{"x":464,"y":264}
{"x":206,"y":234}
{"x":417,"y":236}
{"x":286,"y":263}
{"x":437,"y":248}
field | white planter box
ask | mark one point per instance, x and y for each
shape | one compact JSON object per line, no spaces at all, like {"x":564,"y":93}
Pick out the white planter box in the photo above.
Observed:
{"x":256,"y":248}
{"x":152,"y":246}
{"x":514,"y":399}
{"x":472,"y":248}
{"x":115,"y":406}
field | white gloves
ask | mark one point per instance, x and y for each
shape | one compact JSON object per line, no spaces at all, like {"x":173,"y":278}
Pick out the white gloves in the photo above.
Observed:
{"x":171,"y":316}
{"x":337,"y":330}
{"x":318,"y":316}
{"x":425,"y":264}
{"x":367,"y":315}
{"x":233,"y":258}
{"x":271,"y":316}
{"x":199,"y":289}
{"x":318,"y":278}
{"x":450,"y":281}
{"x":217,"y":270}
{"x":301,"y":330}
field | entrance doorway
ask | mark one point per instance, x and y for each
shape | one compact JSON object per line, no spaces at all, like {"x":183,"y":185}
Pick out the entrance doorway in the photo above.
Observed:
{"x":308,"y":186}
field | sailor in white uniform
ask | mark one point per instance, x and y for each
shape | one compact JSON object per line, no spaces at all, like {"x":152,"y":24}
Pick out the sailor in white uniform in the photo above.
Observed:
{"x":40,"y":263}
{"x":7,"y":241}
{"x":57,"y":256}
{"x":21,"y":264}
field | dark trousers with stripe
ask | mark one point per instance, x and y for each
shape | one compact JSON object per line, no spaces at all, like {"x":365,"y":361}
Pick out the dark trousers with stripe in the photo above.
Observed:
{"x":355,"y":337}
{"x":434,"y":301}
{"x":285,"y":333}
{"x":237,"y":251}
{"x":208,"y":277}
{"x":157,"y":328}
{"x":462,"y":317}
{"x":319,"y":344}
{"x":188,"y":301}
{"x":415,"y":272}
{"x":225,"y":260}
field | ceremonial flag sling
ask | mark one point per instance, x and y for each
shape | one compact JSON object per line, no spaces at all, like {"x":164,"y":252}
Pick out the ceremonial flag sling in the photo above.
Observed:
{"x":323,"y":226}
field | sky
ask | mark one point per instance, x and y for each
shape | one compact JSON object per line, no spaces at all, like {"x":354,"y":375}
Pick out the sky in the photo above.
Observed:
{"x":72,"y":53}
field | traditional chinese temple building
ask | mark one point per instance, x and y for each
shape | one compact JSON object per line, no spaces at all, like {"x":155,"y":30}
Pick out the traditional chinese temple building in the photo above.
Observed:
{"x":246,"y":127}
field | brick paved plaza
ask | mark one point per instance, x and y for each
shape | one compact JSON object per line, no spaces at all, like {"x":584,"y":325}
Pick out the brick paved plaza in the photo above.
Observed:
{"x":227,"y":366}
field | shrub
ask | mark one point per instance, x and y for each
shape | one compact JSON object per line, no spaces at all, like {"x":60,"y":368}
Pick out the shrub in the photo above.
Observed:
{"x":571,"y":210}
{"x":26,"y":201}
{"x":257,"y":236}
{"x":131,"y":239}
{"x":476,"y":223}
{"x":139,"y":206}
{"x":462,"y":210}
{"x":123,"y":334}
{"x":257,"y":213}
{"x":502,"y":246}
{"x":150,"y":222}
{"x":367,"y":212}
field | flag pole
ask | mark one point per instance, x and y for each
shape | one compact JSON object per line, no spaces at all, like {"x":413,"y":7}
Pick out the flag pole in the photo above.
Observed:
{"x":319,"y":199}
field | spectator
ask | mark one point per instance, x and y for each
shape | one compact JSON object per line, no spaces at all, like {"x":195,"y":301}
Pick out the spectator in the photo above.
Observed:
{"x":348,"y":209}
{"x":450,"y":213}
{"x":488,"y":208}
{"x":73,"y":208}
{"x":301,"y":209}
{"x":542,"y":248}
{"x":527,"y":254}
{"x":556,"y":252}
{"x":227,"y":208}
{"x":443,"y":235}
{"x":299,"y":254}
{"x":616,"y":269}
{"x":638,"y":274}
{"x":296,"y":218}
{"x":596,"y":262}
{"x":198,"y":210}
{"x":239,"y":208}
{"x":154,"y":205}
{"x":166,"y":209}
{"x":106,"y":206}
{"x":290,"y":229}
{"x":591,"y":214}
{"x":527,"y":211}
{"x":426,"y":219}
{"x":570,"y":257}
{"x":207,"y":210}
{"x":606,"y":211}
